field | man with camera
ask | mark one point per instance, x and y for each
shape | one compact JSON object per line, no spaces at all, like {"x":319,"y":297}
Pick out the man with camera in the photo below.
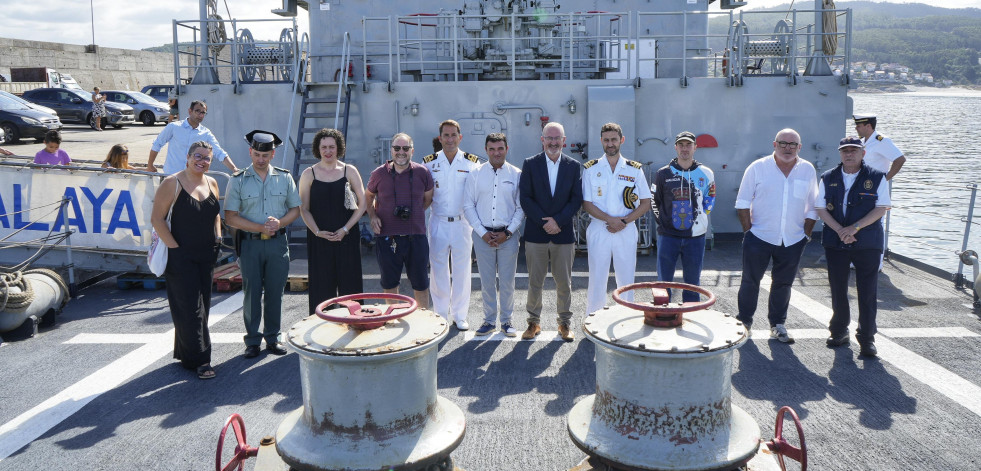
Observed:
{"x":398,"y":193}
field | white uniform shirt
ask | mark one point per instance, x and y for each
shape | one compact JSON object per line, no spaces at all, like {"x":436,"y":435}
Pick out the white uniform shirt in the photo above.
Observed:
{"x":778,"y":204}
{"x":611,"y":190}
{"x":880,"y":152}
{"x":490,"y":198}
{"x":449,"y":180}
{"x":553,"y":171}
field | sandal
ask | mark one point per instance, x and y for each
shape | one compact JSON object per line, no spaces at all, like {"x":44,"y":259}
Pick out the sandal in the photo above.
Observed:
{"x":206,"y":372}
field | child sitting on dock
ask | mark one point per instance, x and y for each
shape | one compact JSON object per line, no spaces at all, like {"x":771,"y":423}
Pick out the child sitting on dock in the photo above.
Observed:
{"x":52,"y":154}
{"x":118,"y":158}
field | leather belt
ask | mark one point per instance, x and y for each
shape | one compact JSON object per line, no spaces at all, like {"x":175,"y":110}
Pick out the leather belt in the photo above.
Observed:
{"x":263,"y":236}
{"x":496,"y":229}
{"x":450,"y":219}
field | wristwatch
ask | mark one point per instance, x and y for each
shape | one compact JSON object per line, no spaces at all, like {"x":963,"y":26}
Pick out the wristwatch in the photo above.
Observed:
{"x":507,"y":233}
{"x":857,"y":228}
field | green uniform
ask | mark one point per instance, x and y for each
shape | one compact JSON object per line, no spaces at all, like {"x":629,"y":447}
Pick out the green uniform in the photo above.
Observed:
{"x":265,"y":262}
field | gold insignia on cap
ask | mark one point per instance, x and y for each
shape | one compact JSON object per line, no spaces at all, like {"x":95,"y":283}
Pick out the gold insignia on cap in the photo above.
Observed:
{"x":868,"y":184}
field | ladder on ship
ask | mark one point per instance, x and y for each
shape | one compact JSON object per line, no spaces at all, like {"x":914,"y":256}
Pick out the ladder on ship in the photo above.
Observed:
{"x":321,"y":102}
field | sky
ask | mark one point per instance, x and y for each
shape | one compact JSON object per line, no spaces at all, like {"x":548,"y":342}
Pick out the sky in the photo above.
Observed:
{"x":137,"y":24}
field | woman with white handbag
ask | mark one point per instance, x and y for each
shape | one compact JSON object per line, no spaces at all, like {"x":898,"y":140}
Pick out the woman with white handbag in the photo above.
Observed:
{"x":185,"y":218}
{"x":332,"y":202}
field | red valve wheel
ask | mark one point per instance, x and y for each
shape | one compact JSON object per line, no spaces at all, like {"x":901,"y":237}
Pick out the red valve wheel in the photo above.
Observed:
{"x":664,"y":316}
{"x":781,"y":447}
{"x":365,"y":318}
{"x":242,"y":449}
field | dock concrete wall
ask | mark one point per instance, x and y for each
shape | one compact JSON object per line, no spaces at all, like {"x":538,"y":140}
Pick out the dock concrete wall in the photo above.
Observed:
{"x":108,"y":68}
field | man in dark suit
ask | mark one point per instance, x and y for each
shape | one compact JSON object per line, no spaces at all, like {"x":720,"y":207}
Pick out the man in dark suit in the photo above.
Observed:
{"x":551,"y":194}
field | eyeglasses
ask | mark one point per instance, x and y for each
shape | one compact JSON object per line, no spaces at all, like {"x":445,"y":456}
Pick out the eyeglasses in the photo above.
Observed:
{"x":554,"y":139}
{"x":402,"y":148}
{"x":785,"y":144}
{"x":201,"y":158}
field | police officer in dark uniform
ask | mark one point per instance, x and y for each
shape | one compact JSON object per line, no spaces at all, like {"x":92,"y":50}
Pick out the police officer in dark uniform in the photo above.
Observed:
{"x":852,"y":198}
{"x":261,"y":201}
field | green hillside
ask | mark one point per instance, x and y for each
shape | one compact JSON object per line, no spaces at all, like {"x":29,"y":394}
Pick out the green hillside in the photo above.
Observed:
{"x":944,"y":42}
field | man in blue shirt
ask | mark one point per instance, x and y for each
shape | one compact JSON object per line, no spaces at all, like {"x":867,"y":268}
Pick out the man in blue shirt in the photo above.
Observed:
{"x":178,"y":137}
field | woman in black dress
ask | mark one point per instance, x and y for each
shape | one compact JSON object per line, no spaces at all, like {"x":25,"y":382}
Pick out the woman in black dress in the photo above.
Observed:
{"x":333,"y":235}
{"x":193,"y":242}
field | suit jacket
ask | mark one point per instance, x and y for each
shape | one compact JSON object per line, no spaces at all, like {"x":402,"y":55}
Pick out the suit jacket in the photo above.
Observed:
{"x":538,"y":202}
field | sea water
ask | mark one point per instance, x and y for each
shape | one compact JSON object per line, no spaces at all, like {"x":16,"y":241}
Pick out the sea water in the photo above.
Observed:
{"x":937,"y":130}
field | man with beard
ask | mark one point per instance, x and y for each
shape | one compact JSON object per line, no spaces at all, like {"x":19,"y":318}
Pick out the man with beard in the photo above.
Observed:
{"x":449,"y":231}
{"x":615,"y":193}
{"x":684,"y":194}
{"x":551,"y":195}
{"x":775,"y":205}
{"x":490,"y":203}
{"x":398,"y":193}
{"x":261,"y":201}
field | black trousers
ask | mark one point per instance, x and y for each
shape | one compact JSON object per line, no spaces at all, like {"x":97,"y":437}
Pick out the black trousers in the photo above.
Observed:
{"x":189,"y":279}
{"x":866,"y":263}
{"x":756,"y":256}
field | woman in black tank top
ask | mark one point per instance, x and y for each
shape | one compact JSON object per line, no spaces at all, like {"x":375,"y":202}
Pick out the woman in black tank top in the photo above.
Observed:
{"x":333,"y":235}
{"x":193,"y":242}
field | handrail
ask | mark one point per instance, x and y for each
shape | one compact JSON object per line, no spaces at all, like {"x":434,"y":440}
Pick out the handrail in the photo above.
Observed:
{"x":345,"y":59}
{"x":299,"y":72}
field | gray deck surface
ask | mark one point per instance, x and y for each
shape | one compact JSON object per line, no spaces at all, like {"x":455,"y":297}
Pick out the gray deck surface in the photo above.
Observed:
{"x":918,"y":407}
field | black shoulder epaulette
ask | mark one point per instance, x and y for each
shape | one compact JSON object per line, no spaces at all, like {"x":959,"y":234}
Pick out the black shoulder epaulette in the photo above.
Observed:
{"x":282,"y":170}
{"x":471,"y":157}
{"x":880,"y":137}
{"x":590,"y":163}
{"x":239,"y":171}
{"x":429,"y":158}
{"x":634,"y":164}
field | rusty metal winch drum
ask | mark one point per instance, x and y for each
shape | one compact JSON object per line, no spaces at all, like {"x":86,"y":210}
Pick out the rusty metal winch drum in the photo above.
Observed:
{"x":369,"y":390}
{"x":663,"y":387}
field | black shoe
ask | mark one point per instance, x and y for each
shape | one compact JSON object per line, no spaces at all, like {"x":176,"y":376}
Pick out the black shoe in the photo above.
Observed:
{"x":837,"y":340}
{"x":868,"y":350}
{"x":276,"y":348}
{"x":251,"y":351}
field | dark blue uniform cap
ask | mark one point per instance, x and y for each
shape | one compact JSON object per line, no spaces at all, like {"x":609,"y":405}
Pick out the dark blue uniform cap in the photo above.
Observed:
{"x":850,"y":141}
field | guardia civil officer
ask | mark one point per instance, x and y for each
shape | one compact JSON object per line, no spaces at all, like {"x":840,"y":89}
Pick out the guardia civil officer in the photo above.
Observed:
{"x":615,"y":193}
{"x":261,"y":201}
{"x":852,"y":198}
{"x":450,"y":244}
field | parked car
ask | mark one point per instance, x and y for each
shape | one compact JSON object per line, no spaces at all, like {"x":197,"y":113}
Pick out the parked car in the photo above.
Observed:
{"x":20,"y":121}
{"x":147,"y":110}
{"x":35,"y":106}
{"x":159,"y":92}
{"x":75,"y":106}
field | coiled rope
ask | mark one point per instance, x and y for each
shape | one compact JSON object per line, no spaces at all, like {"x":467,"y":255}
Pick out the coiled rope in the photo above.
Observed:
{"x":21,"y":300}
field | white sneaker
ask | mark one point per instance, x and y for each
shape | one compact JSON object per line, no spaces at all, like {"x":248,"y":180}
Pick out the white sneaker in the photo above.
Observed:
{"x":780,"y":333}
{"x":462,"y":325}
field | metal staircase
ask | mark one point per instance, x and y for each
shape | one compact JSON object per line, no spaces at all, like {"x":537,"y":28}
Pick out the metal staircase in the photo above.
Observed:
{"x":322,"y":101}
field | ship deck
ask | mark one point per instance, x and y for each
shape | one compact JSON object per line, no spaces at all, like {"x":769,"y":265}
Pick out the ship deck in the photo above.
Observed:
{"x":100,"y":391}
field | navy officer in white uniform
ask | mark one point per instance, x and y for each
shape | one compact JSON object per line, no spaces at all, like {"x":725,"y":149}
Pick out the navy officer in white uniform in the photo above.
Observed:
{"x":881,"y":155}
{"x":615,"y":193}
{"x":449,"y":232}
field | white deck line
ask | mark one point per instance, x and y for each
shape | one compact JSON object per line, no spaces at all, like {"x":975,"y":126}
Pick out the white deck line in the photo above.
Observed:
{"x":30,"y":425}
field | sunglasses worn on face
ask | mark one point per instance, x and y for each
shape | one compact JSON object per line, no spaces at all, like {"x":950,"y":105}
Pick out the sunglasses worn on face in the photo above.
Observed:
{"x":401,"y":148}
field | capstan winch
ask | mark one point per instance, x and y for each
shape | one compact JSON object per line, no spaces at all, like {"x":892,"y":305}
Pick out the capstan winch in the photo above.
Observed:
{"x":663,"y":386}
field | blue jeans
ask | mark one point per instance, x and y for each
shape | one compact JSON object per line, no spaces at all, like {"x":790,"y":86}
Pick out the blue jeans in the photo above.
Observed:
{"x":756,"y":256}
{"x":691,"y":250}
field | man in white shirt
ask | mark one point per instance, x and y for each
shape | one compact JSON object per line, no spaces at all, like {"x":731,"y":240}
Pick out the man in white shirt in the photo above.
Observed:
{"x":178,"y":137}
{"x":775,"y":205}
{"x":492,"y":207}
{"x":615,"y":193}
{"x":449,"y":232}
{"x":881,"y":155}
